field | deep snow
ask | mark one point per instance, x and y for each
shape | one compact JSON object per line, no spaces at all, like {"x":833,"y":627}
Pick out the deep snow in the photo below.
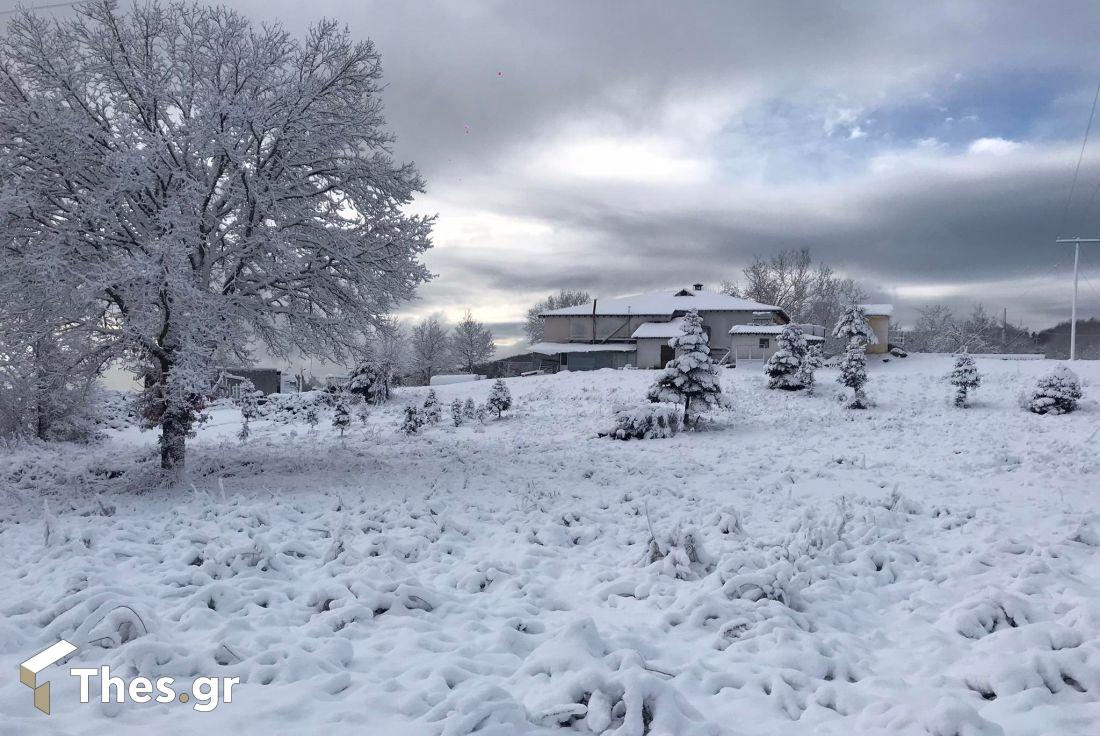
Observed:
{"x":911,"y":569}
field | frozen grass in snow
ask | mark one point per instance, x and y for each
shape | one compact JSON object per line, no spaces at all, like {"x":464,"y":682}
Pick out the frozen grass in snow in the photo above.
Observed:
{"x":911,"y":569}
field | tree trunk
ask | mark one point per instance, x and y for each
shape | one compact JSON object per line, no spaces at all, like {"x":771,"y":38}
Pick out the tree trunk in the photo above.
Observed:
{"x":173,"y":439}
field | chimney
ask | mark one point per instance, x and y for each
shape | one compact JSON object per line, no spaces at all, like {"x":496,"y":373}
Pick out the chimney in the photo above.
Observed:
{"x":698,"y":287}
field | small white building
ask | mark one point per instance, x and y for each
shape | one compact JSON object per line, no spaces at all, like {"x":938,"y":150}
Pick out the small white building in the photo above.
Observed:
{"x":758,"y":342}
{"x":878,"y":316}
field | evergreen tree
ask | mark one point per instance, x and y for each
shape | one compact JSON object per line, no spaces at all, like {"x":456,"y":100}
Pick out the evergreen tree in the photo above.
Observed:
{"x":246,"y":402}
{"x":341,"y":418}
{"x":500,"y":398}
{"x":469,"y":409}
{"x":810,"y":363}
{"x":853,"y":374}
{"x":784,"y":367}
{"x":311,"y":416}
{"x":372,"y":381}
{"x":432,"y":410}
{"x":362,"y":411}
{"x":414,"y":421}
{"x":1055,"y":393}
{"x":456,"y":413}
{"x":853,"y":325}
{"x":965,"y":378}
{"x":691,"y":378}
{"x":853,"y":328}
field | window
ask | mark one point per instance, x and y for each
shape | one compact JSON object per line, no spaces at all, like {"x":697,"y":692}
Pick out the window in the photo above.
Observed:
{"x":765,"y":343}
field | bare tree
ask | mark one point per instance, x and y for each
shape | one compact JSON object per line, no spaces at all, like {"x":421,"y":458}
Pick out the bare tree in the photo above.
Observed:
{"x":471,"y":343}
{"x":564,"y":298}
{"x":206,"y":182}
{"x":430,"y":349}
{"x":808,"y":292}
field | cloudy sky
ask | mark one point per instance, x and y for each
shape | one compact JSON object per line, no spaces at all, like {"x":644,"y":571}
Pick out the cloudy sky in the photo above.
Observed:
{"x":925,"y":148}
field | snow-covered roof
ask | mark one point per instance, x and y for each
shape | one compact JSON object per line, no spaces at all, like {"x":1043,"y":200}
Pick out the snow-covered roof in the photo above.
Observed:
{"x":766,"y":330}
{"x":664,"y":303}
{"x":878,"y":310}
{"x":553,"y":348}
{"x":672,"y":328}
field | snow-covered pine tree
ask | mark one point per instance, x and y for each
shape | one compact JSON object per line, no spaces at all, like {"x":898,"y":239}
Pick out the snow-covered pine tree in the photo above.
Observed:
{"x":690,"y":378}
{"x":371,"y":380}
{"x":853,"y":325}
{"x":500,"y":398}
{"x":414,"y":421}
{"x":341,"y":417}
{"x":853,"y":374}
{"x":362,"y":412}
{"x":807,"y":372}
{"x":202,"y":182}
{"x":965,"y":378}
{"x":1055,"y":393}
{"x":469,"y":409}
{"x":311,"y":417}
{"x":784,"y":367}
{"x":854,"y":328}
{"x":433,"y":412}
{"x":246,"y":402}
{"x":456,"y":413}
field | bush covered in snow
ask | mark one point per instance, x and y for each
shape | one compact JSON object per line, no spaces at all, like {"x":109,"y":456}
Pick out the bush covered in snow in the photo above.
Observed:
{"x":433,"y":411}
{"x":372,"y":381}
{"x":500,"y":398}
{"x":292,"y":408}
{"x":646,"y":421}
{"x":414,"y":421}
{"x":1055,"y":393}
{"x":807,"y":372}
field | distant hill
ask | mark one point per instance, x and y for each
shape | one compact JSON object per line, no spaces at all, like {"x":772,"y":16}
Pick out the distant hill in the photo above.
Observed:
{"x":1054,"y":341}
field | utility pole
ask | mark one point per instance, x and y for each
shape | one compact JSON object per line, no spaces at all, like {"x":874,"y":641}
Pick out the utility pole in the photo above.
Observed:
{"x":1073,"y":313}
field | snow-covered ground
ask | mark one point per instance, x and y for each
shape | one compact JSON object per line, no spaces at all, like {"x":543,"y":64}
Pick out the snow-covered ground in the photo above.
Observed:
{"x":912,"y":569}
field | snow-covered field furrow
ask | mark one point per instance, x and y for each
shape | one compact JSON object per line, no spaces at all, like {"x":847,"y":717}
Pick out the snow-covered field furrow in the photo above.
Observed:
{"x":911,"y":569}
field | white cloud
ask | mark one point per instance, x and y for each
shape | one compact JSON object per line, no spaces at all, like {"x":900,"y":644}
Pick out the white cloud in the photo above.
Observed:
{"x":993,"y":146}
{"x":641,"y":160}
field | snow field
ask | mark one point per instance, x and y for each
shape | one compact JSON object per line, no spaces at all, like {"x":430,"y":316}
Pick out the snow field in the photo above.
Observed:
{"x":910,"y":569}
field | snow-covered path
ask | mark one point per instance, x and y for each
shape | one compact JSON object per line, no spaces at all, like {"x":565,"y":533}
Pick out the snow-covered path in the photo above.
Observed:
{"x":912,"y":569}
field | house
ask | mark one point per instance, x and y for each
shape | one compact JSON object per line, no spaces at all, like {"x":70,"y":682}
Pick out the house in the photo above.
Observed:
{"x":878,"y":316}
{"x":635,"y":330}
{"x":266,"y":380}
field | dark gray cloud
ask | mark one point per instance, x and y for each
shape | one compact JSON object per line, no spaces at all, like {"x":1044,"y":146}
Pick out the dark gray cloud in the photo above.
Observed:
{"x":726,"y":130}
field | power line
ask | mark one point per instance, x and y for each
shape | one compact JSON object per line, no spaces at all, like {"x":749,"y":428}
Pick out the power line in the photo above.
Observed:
{"x":41,"y":7}
{"x":1080,"y":157}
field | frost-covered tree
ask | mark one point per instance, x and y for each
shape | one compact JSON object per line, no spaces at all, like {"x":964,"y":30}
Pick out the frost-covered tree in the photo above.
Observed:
{"x":853,"y":374}
{"x":246,"y":402}
{"x":500,"y":398}
{"x":431,"y":353}
{"x":432,"y":410}
{"x":311,"y":416}
{"x":341,"y":416}
{"x":203,"y":183}
{"x":371,"y":380}
{"x":469,"y":408}
{"x":564,"y":298}
{"x":1055,"y":393}
{"x":456,"y":413}
{"x":414,"y":421}
{"x":471,"y":343}
{"x":853,"y":325}
{"x":807,"y":372}
{"x":856,"y":332}
{"x":691,"y":377}
{"x":965,"y":378}
{"x":784,"y":366}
